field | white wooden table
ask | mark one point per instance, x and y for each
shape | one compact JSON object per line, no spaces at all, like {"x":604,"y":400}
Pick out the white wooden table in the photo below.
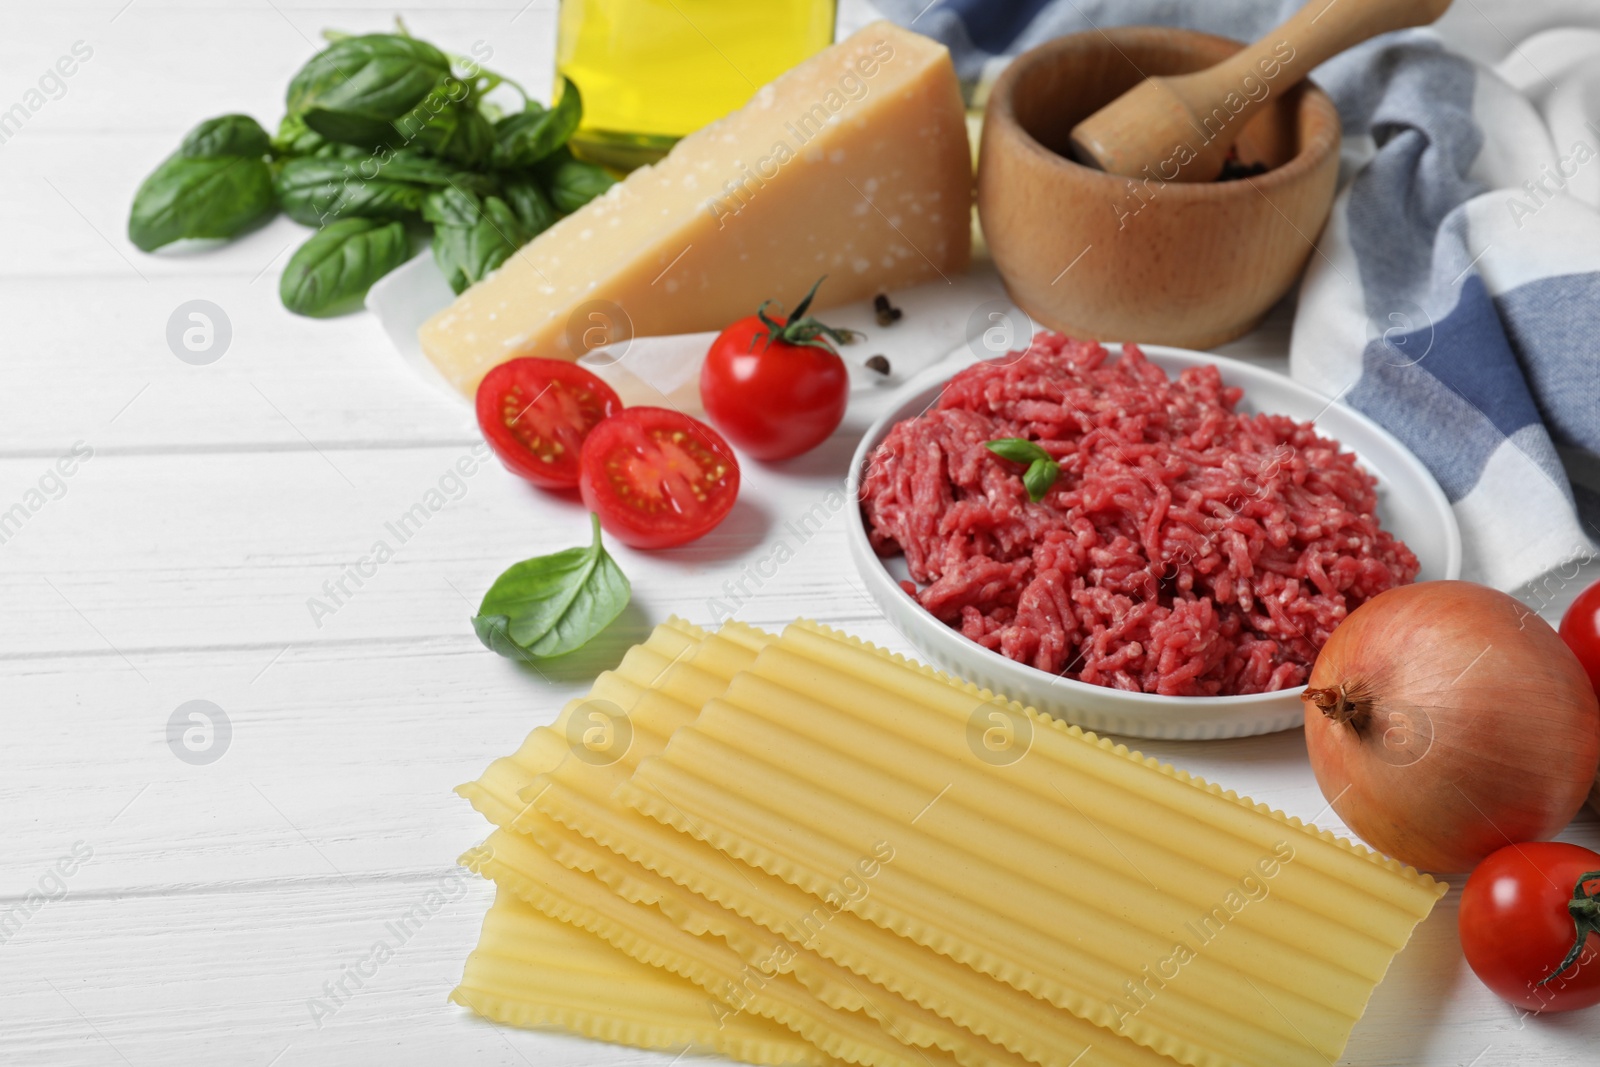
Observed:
{"x":176,"y":564}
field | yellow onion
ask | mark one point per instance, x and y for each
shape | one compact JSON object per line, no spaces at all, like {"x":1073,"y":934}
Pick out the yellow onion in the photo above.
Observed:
{"x":1446,"y":720}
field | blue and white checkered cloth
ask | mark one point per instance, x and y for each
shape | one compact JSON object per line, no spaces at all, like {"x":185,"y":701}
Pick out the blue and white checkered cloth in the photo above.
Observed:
{"x":1455,"y":296}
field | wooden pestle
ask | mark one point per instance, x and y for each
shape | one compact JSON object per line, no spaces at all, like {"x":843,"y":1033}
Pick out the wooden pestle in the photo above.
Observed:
{"x":1181,"y":127}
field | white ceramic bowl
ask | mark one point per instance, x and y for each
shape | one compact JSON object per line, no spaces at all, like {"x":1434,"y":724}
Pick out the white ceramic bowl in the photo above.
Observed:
{"x":1410,"y":505}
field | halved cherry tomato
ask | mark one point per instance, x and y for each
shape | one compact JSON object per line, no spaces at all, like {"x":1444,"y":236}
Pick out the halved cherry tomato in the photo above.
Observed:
{"x":1520,"y":920}
{"x":657,"y":477}
{"x":535,"y":414}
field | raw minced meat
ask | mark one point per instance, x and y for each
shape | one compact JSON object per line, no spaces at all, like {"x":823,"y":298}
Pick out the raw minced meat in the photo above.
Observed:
{"x":1186,"y":549}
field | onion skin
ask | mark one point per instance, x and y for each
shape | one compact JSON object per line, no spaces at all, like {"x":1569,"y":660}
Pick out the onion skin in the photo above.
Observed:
{"x":1445,"y":720}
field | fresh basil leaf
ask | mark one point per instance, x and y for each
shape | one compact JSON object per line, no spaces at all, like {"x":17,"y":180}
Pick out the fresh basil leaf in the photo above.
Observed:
{"x":552,"y":605}
{"x":571,"y":182}
{"x":314,"y":191}
{"x":191,"y":198}
{"x":525,"y":138}
{"x":334,"y":269}
{"x":445,"y":124}
{"x":390,"y":90}
{"x":335,"y":150}
{"x":1042,"y":470}
{"x":468,"y":253}
{"x":295,"y":138}
{"x":532,"y":206}
{"x":226,"y":135}
{"x":452,"y":207}
{"x":381,"y":76}
{"x":407,"y":165}
{"x":357,"y":128}
{"x":217,"y":184}
{"x":456,"y":132}
{"x":1017,"y":450}
{"x":1040,"y":476}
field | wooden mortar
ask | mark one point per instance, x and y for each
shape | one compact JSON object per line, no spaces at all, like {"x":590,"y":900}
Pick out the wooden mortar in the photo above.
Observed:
{"x":1096,"y":255}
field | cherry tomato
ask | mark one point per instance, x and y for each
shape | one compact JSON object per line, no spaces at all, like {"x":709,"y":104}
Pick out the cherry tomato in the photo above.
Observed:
{"x":1580,"y":629}
{"x":775,"y":385}
{"x":535,"y":414}
{"x":1516,"y":927}
{"x":656,"y":477}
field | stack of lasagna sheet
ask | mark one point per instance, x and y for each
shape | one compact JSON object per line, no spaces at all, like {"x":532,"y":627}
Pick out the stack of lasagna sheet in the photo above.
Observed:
{"x":802,"y":849}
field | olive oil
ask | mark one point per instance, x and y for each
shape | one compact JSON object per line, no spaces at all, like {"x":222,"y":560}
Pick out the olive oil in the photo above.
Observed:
{"x":651,"y":71}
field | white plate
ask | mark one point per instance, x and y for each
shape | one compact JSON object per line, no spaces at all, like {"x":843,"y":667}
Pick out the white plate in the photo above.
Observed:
{"x":1410,"y":505}
{"x":645,"y":370}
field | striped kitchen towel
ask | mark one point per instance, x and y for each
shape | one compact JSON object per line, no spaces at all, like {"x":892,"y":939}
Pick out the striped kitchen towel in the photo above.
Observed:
{"x":1455,"y":296}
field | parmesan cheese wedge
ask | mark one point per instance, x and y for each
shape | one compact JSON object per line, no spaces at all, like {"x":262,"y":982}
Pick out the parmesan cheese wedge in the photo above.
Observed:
{"x":855,"y":164}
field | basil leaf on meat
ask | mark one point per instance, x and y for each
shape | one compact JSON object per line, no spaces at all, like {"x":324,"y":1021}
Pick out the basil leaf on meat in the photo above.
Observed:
{"x":551,"y":605}
{"x":1042,"y":470}
{"x":1039,"y":477}
{"x":1017,"y":450}
{"x":333,"y":270}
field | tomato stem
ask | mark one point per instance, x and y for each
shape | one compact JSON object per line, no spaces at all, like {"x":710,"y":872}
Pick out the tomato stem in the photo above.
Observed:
{"x":800,"y":328}
{"x":1585,"y":911}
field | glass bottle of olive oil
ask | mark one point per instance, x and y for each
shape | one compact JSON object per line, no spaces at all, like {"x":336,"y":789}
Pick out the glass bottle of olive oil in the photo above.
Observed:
{"x":651,"y":71}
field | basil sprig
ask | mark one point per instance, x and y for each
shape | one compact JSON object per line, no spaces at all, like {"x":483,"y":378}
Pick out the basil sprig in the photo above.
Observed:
{"x":550,"y":605}
{"x":1042,"y":470}
{"x":377,"y":126}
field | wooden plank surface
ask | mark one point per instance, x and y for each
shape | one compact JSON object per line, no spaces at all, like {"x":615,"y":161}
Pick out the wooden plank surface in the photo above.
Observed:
{"x":177,"y":563}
